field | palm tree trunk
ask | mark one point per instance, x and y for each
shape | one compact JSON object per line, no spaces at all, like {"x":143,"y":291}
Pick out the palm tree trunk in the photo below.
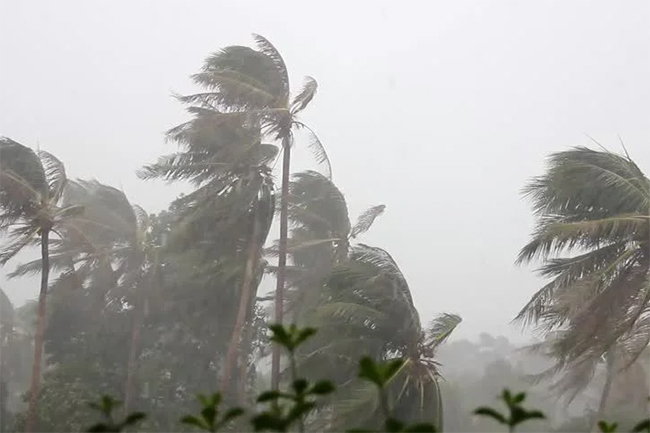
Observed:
{"x":246,"y":348}
{"x":605,"y":393}
{"x":282,"y":259}
{"x":133,"y":355}
{"x":3,"y":405}
{"x":35,"y":387}
{"x":244,"y":302}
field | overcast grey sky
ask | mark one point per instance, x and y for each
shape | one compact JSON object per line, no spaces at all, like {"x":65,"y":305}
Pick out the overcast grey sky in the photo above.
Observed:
{"x":439,"y":110}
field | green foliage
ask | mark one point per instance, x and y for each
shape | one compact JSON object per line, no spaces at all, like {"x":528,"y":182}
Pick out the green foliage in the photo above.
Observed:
{"x":286,"y":408}
{"x":643,"y":426}
{"x":592,"y":235}
{"x":209,"y":419}
{"x":380,"y":374}
{"x":105,"y":407}
{"x":518,"y":414}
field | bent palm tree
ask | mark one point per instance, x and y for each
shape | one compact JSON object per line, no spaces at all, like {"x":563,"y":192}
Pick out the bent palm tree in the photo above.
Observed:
{"x":369,"y":311}
{"x":320,"y":238}
{"x":31,"y":188}
{"x":250,"y":86}
{"x":228,"y":216}
{"x":593,"y":237}
{"x":110,"y":250}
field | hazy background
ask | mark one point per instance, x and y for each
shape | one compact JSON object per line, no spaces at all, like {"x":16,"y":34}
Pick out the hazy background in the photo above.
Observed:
{"x":439,"y":110}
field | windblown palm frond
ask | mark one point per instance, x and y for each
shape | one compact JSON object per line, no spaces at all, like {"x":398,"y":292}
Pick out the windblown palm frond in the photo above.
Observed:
{"x":440,"y":329}
{"x":366,"y":220}
{"x":23,"y":182}
{"x":31,"y":189}
{"x":593,"y":236}
{"x":304,"y":97}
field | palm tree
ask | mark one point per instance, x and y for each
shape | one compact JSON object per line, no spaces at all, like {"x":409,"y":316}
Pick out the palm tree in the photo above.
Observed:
{"x":228,"y":217}
{"x":593,"y":237}
{"x":358,"y":299}
{"x":321,"y":236}
{"x":31,"y":188}
{"x":252,"y":86}
{"x":368,"y":310}
{"x":108,"y":249}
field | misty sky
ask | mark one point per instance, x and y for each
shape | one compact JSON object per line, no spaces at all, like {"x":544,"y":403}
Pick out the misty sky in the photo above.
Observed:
{"x":439,"y":110}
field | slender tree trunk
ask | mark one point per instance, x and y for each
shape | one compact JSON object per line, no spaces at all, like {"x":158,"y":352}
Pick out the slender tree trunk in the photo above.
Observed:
{"x":3,"y":404}
{"x":282,"y":259}
{"x":605,"y":393}
{"x":35,"y":387}
{"x":244,"y":302}
{"x":246,"y":348}
{"x":133,"y":356}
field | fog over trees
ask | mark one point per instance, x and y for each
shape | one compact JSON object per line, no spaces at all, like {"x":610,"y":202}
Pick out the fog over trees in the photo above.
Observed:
{"x":151,"y":271}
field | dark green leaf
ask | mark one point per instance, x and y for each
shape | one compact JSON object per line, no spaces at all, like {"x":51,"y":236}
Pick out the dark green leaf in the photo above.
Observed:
{"x":519,"y":398}
{"x":268,"y":396}
{"x":391,"y":368}
{"x":209,"y":414}
{"x":323,"y":387}
{"x":643,"y":426}
{"x":303,"y":335}
{"x":605,"y":427}
{"x":491,"y":413}
{"x":393,"y":425}
{"x":300,"y":385}
{"x":232,"y":414}
{"x":266,"y":421}
{"x":197,"y":422}
{"x":368,"y":370}
{"x":134,"y":418}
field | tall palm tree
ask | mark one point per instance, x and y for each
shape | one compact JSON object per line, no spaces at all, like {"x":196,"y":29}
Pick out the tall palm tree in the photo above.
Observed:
{"x":110,"y":250}
{"x":31,"y":188}
{"x":593,"y":238}
{"x":228,"y":217}
{"x":245,"y":85}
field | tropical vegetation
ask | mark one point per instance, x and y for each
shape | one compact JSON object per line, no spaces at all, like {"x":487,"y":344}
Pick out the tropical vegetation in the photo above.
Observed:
{"x":127,"y":297}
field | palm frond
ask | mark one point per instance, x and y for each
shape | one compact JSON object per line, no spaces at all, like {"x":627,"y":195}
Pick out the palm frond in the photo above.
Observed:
{"x":20,"y":237}
{"x":440,"y":329}
{"x":366,"y":220}
{"x":241,"y":78}
{"x":583,"y":180}
{"x":23,"y":182}
{"x":346,"y":311}
{"x":319,"y":153}
{"x":267,"y":48}
{"x":55,"y":174}
{"x":557,"y":237}
{"x":304,"y":97}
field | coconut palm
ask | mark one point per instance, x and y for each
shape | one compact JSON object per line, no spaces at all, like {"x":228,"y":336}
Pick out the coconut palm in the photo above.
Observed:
{"x":31,"y":188}
{"x":359,"y":300}
{"x":244,"y":85}
{"x":593,"y":238}
{"x":368,"y":310}
{"x":321,"y":236}
{"x":109,"y":251}
{"x":228,"y":217}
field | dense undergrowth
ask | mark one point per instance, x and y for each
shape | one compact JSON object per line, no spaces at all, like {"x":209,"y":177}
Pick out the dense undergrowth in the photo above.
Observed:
{"x":286,"y":410}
